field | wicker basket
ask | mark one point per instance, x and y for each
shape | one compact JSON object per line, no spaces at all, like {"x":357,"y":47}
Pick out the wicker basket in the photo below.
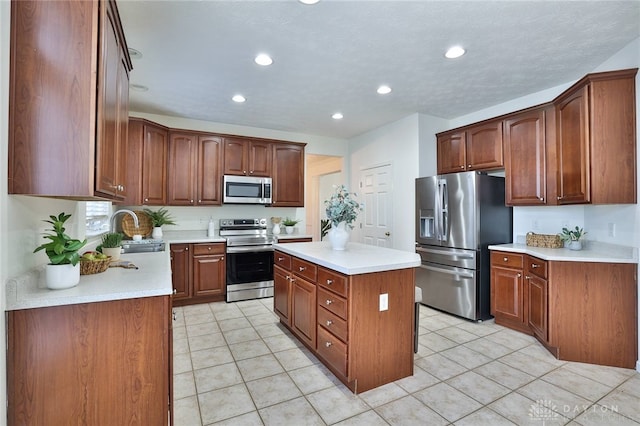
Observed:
{"x":89,"y":267}
{"x":543,"y":240}
{"x":144,"y":220}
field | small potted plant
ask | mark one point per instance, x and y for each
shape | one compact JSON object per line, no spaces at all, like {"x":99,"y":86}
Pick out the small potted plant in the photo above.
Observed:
{"x":111,"y":245}
{"x":289,"y":224}
{"x":573,"y":237}
{"x":159,"y":217}
{"x":63,"y":270}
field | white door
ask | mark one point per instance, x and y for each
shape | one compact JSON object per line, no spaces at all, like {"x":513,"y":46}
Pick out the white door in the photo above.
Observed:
{"x":376,"y":187}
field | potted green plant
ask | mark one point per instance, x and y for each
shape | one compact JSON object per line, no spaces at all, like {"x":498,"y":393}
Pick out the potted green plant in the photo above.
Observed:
{"x":573,"y":237}
{"x":111,"y":245}
{"x":289,"y":224}
{"x":158,"y":218}
{"x":342,"y":210}
{"x":63,"y":270}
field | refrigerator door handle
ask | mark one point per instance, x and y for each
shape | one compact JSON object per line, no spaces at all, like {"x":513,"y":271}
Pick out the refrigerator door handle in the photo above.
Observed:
{"x":445,"y":212}
{"x":437,"y":213}
{"x":461,"y":255}
{"x":446,"y":271}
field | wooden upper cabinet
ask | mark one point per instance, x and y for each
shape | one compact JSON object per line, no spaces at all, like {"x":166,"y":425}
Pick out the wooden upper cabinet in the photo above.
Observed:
{"x":147,"y":163}
{"x":525,"y":159}
{"x":208,"y":177}
{"x":596,"y":140}
{"x":452,"y":156}
{"x":288,"y":175}
{"x":181,"y":184}
{"x":247,"y":157}
{"x":67,"y":146}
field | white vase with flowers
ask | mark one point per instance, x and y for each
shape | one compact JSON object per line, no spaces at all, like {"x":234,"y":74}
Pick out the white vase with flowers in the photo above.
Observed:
{"x":342,"y":211}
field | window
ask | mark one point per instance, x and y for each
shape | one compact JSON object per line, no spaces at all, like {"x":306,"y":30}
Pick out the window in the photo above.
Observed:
{"x":97,"y":217}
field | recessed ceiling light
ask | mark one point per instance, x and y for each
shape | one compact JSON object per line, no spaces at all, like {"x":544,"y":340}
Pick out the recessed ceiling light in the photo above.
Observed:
{"x":238,"y":98}
{"x":309,"y":1}
{"x":337,"y":116}
{"x":263,"y":59}
{"x":138,"y":87}
{"x":384,"y":89}
{"x":454,"y":52}
{"x":135,"y":54}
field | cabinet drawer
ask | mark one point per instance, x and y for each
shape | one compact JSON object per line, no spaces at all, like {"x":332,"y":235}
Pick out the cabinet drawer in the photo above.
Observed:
{"x":332,"y":281}
{"x":332,"y":350}
{"x":332,"y":302}
{"x":536,"y":266}
{"x":508,"y":260}
{"x":304,"y":269}
{"x":333,"y":323}
{"x":204,"y":249}
{"x":282,"y":260}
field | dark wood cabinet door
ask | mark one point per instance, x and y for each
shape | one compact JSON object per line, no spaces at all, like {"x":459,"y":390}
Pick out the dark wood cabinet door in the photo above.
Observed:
{"x":524,"y":159}
{"x":181,"y":271}
{"x":281,"y":294}
{"x":260,"y":158}
{"x":288,"y":175}
{"x":209,"y":158}
{"x":538,"y":306}
{"x":303,"y":311}
{"x":572,"y":138}
{"x":235,"y":156}
{"x":484,"y":146}
{"x":209,"y":274}
{"x":507,"y":295}
{"x":451,"y":153}
{"x":154,"y":165}
{"x":181,"y":185}
{"x":123,"y":130}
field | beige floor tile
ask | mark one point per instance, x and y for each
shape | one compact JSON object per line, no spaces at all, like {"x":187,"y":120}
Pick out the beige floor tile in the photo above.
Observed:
{"x":311,"y":379}
{"x":234,"y":323}
{"x":295,"y":412}
{"x":196,"y":310}
{"x":447,"y":401}
{"x":524,"y":411}
{"x":250,"y":349}
{"x":457,"y":334}
{"x":265,"y":318}
{"x":383,"y":395}
{"x":632,"y":386}
{"x":423,"y":351}
{"x":408,"y":411}
{"x":268,"y":330}
{"x":537,"y":351}
{"x":179,"y":332}
{"x":466,"y":357}
{"x":624,"y":402}
{"x":199,"y":319}
{"x":562,"y":401}
{"x":257,"y":309}
{"x":484,"y":417}
{"x":478,"y":387}
{"x":180,"y":346}
{"x":532,"y":366}
{"x":259,"y":367}
{"x":488,"y":348}
{"x":292,"y":359}
{"x":504,"y":374}
{"x":418,"y":381}
{"x":272,"y":390}
{"x":603,"y":415}
{"x":480,"y":329}
{"x":434,"y":322}
{"x":210,"y":357}
{"x":186,"y":412}
{"x":440,"y":367}
{"x":610,"y":376}
{"x":240,"y":335}
{"x":248,"y":419}
{"x":511,"y":339}
{"x":280,"y":343}
{"x":436,"y":342}
{"x":335,"y":404}
{"x":183,"y":385}
{"x":578,"y":384}
{"x":202,"y":329}
{"x":181,"y":363}
{"x":228,"y":314}
{"x":368,"y":418}
{"x":220,"y":376}
{"x":225,"y":403}
{"x":207,"y":341}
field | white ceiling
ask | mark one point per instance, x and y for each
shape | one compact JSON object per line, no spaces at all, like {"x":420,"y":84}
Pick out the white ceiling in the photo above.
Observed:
{"x":332,"y":57}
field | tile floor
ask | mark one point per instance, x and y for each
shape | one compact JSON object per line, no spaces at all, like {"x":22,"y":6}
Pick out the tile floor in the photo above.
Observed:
{"x":235,"y":365}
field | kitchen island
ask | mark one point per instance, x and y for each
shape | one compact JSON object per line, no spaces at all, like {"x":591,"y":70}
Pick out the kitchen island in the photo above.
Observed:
{"x":353,"y":309}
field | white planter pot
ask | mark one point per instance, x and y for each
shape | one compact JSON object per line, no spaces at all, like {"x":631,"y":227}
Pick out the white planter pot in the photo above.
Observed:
{"x":575,"y":245}
{"x":289,"y":229}
{"x":114,"y":252}
{"x":276,"y":229}
{"x":156,"y":234}
{"x":338,"y":236}
{"x":58,"y":277}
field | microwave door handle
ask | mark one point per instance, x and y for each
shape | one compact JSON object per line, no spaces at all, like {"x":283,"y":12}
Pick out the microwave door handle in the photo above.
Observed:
{"x":262,"y":193}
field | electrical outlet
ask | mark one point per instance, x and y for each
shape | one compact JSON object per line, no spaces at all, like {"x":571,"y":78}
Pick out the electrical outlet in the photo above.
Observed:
{"x":611,"y":229}
{"x":384,"y":302}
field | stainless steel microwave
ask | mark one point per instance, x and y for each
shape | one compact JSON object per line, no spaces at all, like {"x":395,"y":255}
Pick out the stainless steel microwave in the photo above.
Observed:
{"x":247,"y":190}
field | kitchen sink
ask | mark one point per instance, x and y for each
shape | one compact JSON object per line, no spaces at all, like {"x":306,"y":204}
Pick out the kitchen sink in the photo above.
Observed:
{"x":142,"y":246}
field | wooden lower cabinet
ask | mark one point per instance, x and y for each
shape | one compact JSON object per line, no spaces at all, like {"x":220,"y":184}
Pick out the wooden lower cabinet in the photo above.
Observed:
{"x":198,"y":273}
{"x":337,"y":317}
{"x":580,"y":311}
{"x":508,"y":291}
{"x":102,"y":363}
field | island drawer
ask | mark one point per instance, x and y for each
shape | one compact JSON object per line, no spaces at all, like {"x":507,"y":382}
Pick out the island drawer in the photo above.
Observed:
{"x":508,"y":260}
{"x":304,"y":269}
{"x":537,"y":267}
{"x":282,"y":260}
{"x":332,"y":302}
{"x":333,"y":323}
{"x":332,"y":281}
{"x":206,"y":249}
{"x":332,"y":350}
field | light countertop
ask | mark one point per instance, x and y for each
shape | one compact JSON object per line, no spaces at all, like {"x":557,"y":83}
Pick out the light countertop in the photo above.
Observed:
{"x":185,"y":237}
{"x":356,"y":259}
{"x":593,"y":252}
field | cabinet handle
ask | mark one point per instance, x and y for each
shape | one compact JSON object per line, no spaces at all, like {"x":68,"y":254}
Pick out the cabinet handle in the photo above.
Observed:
{"x":329,"y":282}
{"x":462,"y":167}
{"x":209,"y":248}
{"x":541,"y":198}
{"x":174,"y":292}
{"x":328,"y":344}
{"x":251,"y":172}
{"x":174,"y":316}
{"x":222,"y":258}
{"x":559,"y":198}
{"x":329,"y":322}
{"x":329,"y":301}
{"x":469,"y":166}
{"x":519,"y":274}
{"x":186,"y":249}
{"x":302,"y":268}
{"x":535,"y":265}
{"x":244,"y":172}
{"x":199,"y":201}
{"x":506,"y":259}
{"x":146,"y":200}
{"x":527,"y":277}
{"x":280,"y":259}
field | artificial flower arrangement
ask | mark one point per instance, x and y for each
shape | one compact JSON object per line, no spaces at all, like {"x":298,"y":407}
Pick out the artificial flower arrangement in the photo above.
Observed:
{"x":342,"y":206}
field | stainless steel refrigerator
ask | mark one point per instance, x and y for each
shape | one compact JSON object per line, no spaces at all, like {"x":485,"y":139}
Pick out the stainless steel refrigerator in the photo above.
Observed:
{"x":458,"y":216}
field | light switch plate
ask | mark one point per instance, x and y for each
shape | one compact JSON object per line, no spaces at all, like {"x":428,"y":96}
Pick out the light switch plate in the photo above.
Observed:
{"x":384,"y":302}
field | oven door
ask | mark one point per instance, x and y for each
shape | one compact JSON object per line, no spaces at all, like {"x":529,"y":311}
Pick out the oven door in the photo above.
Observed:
{"x":249,"y":272}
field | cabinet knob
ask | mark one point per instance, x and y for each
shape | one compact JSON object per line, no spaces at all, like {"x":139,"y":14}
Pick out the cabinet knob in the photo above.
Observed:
{"x":519,"y":274}
{"x":506,"y":259}
{"x":462,"y":167}
{"x":526,"y":277}
{"x":244,"y":172}
{"x":251,"y":172}
{"x":199,"y":201}
{"x":174,"y":292}
{"x":469,"y":166}
{"x":535,"y":265}
{"x":329,"y":282}
{"x":146,"y":200}
{"x":328,"y":344}
{"x":209,"y":248}
{"x":186,"y":249}
{"x":329,"y":301}
{"x":222,"y":258}
{"x":559,"y":198}
{"x":329,"y":322}
{"x":541,"y":198}
{"x":302,"y":268}
{"x":280,"y":259}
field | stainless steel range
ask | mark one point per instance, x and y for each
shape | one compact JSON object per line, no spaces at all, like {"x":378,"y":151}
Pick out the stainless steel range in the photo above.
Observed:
{"x":249,"y":258}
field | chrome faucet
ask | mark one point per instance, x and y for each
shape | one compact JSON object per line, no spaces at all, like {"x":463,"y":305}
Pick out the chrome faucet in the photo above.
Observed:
{"x":113,"y":218}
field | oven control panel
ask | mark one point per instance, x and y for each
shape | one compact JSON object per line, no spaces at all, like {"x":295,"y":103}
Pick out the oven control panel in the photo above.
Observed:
{"x":243,"y":223}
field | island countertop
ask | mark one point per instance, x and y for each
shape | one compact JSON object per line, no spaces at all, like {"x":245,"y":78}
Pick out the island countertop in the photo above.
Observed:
{"x":594,"y":252}
{"x":356,"y":259}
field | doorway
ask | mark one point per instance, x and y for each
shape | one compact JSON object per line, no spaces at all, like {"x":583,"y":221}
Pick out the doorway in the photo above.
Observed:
{"x":323,"y":171}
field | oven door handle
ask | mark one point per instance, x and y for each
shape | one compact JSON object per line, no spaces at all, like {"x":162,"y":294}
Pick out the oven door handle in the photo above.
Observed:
{"x":249,"y":249}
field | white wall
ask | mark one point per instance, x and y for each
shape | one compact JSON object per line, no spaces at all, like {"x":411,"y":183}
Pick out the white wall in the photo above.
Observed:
{"x":429,"y":126}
